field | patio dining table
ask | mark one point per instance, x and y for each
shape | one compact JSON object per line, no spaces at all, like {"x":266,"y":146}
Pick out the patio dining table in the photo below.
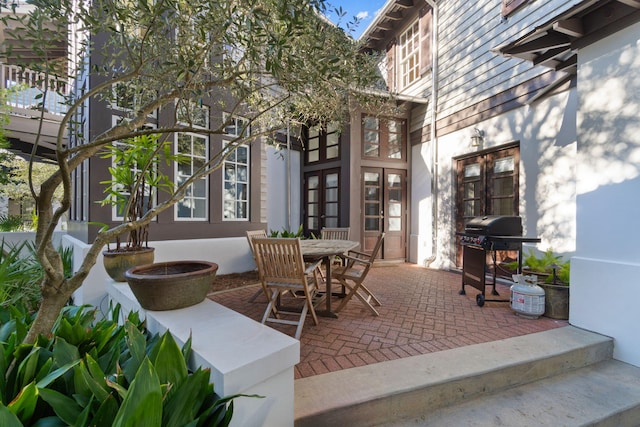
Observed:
{"x":314,"y":249}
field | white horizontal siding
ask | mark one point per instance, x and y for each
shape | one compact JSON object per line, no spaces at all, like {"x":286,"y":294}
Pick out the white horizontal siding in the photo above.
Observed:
{"x":468,"y":71}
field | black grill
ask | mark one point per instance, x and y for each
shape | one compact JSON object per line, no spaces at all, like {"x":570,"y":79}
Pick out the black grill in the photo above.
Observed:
{"x":482,"y":236}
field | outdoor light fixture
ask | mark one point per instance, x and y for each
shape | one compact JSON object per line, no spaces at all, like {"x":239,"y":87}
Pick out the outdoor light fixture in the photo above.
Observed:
{"x":477,"y":137}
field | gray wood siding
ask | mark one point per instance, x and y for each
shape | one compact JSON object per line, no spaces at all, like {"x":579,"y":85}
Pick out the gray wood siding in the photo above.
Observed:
{"x":468,"y":70}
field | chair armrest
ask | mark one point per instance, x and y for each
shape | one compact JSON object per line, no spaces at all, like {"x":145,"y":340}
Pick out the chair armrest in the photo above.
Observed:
{"x":352,"y":259}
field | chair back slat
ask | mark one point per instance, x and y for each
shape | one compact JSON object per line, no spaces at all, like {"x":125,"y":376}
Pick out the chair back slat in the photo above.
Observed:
{"x":253,"y":234}
{"x":280,"y":260}
{"x":342,"y":233}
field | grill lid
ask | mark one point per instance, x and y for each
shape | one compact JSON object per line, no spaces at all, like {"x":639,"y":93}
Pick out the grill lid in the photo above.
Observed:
{"x":495,"y":225}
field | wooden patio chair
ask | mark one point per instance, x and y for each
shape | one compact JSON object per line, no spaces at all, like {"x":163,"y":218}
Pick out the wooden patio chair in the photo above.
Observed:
{"x":251,"y":234}
{"x":282,"y":269}
{"x":353,"y":274}
{"x":336,"y":233}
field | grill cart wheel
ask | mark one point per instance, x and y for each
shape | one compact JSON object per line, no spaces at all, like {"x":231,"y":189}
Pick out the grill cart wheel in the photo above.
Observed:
{"x":480,"y":300}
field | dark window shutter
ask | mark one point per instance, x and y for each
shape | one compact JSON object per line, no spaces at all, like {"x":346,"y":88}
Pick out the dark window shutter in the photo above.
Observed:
{"x":509,"y":6}
{"x":391,"y":66}
{"x":426,"y":21}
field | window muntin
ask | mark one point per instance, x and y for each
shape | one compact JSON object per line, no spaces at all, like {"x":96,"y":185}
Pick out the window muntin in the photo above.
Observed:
{"x":383,"y":138}
{"x":193,"y":147}
{"x":323,"y":144}
{"x":409,"y":57}
{"x":235,"y":190}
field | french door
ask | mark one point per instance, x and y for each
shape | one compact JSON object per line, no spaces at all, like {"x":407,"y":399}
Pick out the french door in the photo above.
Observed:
{"x":487,"y":184}
{"x":322,"y":200}
{"x":384,"y":209}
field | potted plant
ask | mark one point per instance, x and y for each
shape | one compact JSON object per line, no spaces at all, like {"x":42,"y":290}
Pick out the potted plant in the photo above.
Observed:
{"x":553,"y":276}
{"x":132,"y":190}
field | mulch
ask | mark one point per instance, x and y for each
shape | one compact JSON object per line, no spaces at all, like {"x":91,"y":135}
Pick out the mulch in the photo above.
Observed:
{"x":223,"y":282}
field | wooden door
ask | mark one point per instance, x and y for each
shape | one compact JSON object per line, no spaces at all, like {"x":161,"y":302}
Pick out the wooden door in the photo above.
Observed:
{"x":322,"y":200}
{"x":384,"y":209}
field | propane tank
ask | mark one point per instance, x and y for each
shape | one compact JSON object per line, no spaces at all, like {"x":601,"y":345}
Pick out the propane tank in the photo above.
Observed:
{"x":527,"y":298}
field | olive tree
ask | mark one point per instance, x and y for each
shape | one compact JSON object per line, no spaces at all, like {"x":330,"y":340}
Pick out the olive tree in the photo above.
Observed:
{"x":276,"y":62}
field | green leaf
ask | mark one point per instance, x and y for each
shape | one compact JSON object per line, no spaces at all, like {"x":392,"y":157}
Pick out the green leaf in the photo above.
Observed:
{"x":54,"y":375}
{"x":65,"y":407}
{"x":137,"y":345}
{"x":143,"y":403}
{"x":64,"y":353}
{"x":8,"y":418}
{"x":184,"y":402}
{"x":168,"y":360}
{"x":25,"y":403}
{"x":49,"y":422}
{"x":90,"y":380}
{"x":106,"y":412}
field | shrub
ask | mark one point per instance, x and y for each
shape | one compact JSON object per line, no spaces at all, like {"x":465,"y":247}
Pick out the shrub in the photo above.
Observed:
{"x":100,"y":373}
{"x":11,"y":223}
{"x":21,"y":274}
{"x":544,"y":265}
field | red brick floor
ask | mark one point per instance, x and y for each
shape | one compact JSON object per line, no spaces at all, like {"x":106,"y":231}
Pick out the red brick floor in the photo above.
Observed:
{"x":421,"y":312}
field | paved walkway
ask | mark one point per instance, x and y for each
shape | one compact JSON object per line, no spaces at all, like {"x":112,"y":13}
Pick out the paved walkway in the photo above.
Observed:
{"x":421,"y":313}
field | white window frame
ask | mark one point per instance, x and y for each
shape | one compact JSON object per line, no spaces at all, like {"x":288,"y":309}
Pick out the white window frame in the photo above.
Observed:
{"x":409,"y":55}
{"x":189,"y":195}
{"x":123,"y":108}
{"x":234,"y":131}
{"x":115,"y":119}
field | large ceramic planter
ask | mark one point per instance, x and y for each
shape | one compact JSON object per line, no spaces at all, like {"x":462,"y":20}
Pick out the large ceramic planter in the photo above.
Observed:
{"x":556,"y":301}
{"x":117,"y":262}
{"x":171,"y":285}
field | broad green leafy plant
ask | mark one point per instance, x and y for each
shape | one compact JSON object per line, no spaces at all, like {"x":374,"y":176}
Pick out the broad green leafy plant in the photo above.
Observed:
{"x":100,"y":373}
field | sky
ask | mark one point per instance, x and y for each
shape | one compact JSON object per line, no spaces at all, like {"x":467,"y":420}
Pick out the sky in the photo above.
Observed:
{"x":364,"y":9}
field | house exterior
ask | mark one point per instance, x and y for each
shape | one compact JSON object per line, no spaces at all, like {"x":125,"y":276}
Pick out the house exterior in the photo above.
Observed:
{"x":523,"y":108}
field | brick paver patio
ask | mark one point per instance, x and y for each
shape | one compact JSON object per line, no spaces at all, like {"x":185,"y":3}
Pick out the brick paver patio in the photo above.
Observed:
{"x":421,"y":312}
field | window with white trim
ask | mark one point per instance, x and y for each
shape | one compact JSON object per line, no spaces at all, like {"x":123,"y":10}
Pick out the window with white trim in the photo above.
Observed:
{"x":193,"y":147}
{"x":235,"y":191}
{"x":117,"y":212}
{"x":409,"y":57}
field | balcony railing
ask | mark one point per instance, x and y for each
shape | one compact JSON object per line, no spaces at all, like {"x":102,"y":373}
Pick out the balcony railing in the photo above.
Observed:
{"x":30,"y":87}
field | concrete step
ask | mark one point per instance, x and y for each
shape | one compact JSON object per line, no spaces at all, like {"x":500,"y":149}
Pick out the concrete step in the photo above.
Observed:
{"x":412,"y":388}
{"x":606,"y":394}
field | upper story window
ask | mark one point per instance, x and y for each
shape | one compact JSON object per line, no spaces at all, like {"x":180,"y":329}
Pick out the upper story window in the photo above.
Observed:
{"x":235,"y":191}
{"x":509,"y":6}
{"x":127,"y":97}
{"x":193,"y":147}
{"x":323,"y":144}
{"x":383,"y":138}
{"x":409,"y":55}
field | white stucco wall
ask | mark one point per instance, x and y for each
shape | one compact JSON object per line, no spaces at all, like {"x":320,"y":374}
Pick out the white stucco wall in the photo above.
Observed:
{"x":283,"y":212}
{"x":547,"y":134}
{"x":605,"y":273}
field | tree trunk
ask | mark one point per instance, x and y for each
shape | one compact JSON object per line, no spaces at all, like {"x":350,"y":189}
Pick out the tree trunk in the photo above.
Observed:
{"x":48,"y":312}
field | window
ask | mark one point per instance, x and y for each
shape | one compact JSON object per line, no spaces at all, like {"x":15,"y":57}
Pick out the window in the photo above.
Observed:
{"x":383,"y":138}
{"x":118,"y":211}
{"x":127,"y":97}
{"x":409,"y":55}
{"x":323,"y":144}
{"x":509,"y":6}
{"x":236,"y":172}
{"x":194,"y":148}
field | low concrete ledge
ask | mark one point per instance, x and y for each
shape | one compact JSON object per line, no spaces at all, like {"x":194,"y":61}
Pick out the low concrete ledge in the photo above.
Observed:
{"x":244,"y":356}
{"x":411,"y":386}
